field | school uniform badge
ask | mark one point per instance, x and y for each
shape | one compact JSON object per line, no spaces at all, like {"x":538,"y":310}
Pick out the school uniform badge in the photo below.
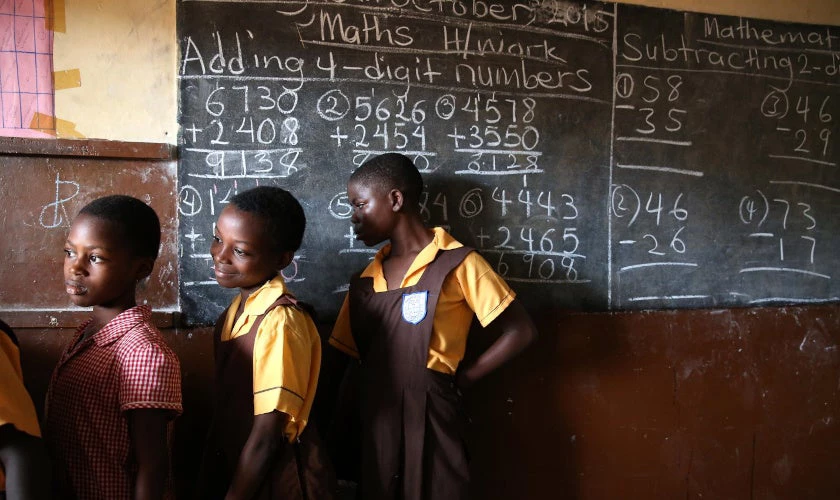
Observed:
{"x":414,"y":306}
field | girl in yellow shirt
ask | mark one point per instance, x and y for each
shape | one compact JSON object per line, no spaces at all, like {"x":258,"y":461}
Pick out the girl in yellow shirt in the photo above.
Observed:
{"x":267,"y":356}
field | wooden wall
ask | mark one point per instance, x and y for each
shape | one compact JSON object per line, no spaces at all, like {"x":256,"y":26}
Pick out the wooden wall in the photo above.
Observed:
{"x":43,"y":185}
{"x":724,"y":404}
{"x":734,"y":404}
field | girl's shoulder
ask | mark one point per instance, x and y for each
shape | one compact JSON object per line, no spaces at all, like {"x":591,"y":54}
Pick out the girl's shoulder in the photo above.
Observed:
{"x":289,"y":319}
{"x":145,"y":340}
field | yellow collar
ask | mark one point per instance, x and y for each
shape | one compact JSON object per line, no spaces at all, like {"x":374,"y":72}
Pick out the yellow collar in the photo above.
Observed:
{"x":441,"y":241}
{"x":256,"y":303}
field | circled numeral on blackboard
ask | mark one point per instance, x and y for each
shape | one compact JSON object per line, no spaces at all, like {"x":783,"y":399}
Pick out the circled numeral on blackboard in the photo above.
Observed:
{"x":445,"y":106}
{"x":471,"y":203}
{"x":340,"y":207}
{"x":775,"y":104}
{"x":333,"y":105}
{"x":189,"y":201}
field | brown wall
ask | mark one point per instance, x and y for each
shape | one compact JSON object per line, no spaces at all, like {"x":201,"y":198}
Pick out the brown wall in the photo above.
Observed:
{"x":43,"y":185}
{"x":734,"y":404}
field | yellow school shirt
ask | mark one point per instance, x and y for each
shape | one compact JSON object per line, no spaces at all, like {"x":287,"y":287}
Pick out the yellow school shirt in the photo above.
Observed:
{"x":287,"y":354}
{"x":16,"y":406}
{"x":472,"y":288}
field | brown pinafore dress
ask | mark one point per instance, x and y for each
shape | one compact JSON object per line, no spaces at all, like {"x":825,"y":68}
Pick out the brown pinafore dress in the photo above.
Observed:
{"x":301,"y":471}
{"x":411,"y":416}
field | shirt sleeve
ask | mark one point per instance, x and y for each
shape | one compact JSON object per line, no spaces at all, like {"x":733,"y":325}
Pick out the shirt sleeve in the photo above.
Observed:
{"x":16,"y":406}
{"x":150,"y":378}
{"x":486,"y":292}
{"x":283,"y":359}
{"x":342,"y":335}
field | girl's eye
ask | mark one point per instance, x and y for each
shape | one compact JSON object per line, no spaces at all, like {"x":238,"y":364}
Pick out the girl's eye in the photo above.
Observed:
{"x":238,"y":252}
{"x":68,"y":253}
{"x":95,"y":259}
{"x":216,"y":239}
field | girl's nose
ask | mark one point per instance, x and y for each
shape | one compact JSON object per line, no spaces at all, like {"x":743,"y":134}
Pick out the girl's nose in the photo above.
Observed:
{"x":76,"y":266}
{"x":222,"y":254}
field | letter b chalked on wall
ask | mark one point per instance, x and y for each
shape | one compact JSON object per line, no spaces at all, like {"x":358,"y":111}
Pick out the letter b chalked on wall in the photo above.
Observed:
{"x":55,"y":214}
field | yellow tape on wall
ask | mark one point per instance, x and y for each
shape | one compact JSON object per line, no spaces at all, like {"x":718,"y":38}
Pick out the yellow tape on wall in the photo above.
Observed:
{"x":56,"y":17}
{"x":67,"y":79}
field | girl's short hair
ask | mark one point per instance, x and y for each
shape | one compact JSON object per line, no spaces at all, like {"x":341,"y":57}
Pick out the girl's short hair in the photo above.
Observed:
{"x":391,"y":171}
{"x":136,"y":221}
{"x":281,"y":213}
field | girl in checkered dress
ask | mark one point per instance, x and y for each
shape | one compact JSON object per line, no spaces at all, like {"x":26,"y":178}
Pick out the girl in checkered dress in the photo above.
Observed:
{"x":117,"y":385}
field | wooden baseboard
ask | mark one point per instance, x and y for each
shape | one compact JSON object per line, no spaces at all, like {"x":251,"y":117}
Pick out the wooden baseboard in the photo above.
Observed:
{"x":58,"y":318}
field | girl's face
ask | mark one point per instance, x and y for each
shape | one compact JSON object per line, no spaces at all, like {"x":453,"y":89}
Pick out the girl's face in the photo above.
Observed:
{"x":99,"y":269}
{"x":242,"y":255}
{"x":373,"y":212}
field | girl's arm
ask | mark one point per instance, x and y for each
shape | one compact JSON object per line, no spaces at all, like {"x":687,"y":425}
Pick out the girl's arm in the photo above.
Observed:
{"x":333,"y":368}
{"x":264,"y":443}
{"x":518,"y":331}
{"x":147,"y":429}
{"x":25,"y":462}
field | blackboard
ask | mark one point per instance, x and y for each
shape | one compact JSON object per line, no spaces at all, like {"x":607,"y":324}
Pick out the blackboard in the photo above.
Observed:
{"x":600,"y":156}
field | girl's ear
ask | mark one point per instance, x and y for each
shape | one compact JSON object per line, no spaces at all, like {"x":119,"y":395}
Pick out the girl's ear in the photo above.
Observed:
{"x":285,"y":259}
{"x":397,"y":200}
{"x":144,"y":269}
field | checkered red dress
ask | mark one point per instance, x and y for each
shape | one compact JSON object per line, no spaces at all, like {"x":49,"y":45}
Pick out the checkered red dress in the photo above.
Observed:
{"x":125,"y":366}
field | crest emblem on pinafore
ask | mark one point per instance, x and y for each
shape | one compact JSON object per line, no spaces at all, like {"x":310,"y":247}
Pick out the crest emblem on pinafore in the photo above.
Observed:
{"x":414,"y":306}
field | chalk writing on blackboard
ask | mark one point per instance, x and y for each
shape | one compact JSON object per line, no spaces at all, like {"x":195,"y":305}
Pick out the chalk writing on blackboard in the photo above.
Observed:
{"x":731,"y":122}
{"x":470,"y":101}
{"x":598,"y":156}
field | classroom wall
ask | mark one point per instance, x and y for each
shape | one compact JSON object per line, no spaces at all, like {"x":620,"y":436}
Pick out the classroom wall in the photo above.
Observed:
{"x":115,"y":64}
{"x":806,"y":11}
{"x":735,"y":404}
